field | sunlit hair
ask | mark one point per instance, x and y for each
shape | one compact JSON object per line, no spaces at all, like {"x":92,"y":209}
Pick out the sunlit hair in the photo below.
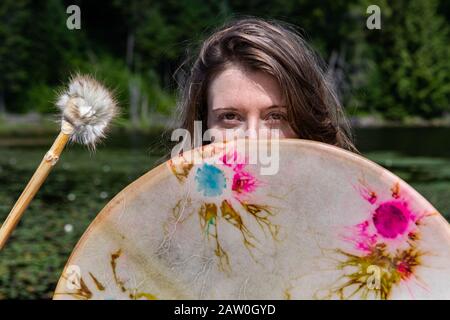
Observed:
{"x":314,"y":111}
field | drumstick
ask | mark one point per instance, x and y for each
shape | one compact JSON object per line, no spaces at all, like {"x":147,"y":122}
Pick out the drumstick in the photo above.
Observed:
{"x":86,"y":108}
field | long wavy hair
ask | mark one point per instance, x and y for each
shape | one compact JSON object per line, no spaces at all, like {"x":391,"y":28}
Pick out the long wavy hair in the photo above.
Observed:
{"x":313,"y":109}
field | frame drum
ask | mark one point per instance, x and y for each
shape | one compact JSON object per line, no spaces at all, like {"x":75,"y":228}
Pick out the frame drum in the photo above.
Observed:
{"x":305,"y":220}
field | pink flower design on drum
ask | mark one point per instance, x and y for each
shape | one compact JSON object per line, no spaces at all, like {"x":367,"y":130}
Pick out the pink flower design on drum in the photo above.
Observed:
{"x":391,"y":223}
{"x":362,"y":238}
{"x":387,"y":239}
{"x":392,"y":219}
{"x":243,"y":181}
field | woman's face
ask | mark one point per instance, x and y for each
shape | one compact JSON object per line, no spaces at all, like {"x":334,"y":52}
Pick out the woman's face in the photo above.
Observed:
{"x":249,"y":102}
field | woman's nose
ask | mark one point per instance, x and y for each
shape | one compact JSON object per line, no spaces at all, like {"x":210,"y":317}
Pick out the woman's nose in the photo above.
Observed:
{"x":252,"y":127}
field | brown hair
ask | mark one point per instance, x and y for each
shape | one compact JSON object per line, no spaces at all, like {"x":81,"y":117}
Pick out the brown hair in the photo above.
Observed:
{"x":314,"y":112}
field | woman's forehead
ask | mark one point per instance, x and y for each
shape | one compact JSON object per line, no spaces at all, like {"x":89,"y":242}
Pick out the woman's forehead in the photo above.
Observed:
{"x":236,"y":87}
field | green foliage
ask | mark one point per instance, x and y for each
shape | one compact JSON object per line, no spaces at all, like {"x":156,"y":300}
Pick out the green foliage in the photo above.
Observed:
{"x":399,"y":71}
{"x":14,"y":48}
{"x":117,"y":76}
{"x":42,"y":97}
{"x":33,"y":50}
{"x":410,"y":74}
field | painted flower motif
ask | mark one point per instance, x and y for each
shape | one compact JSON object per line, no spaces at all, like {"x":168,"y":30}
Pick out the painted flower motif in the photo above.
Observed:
{"x":361,"y":237}
{"x":386,"y":240}
{"x":229,"y":187}
{"x":210,"y":180}
{"x":390,"y":222}
{"x":244,"y":182}
{"x":391,"y":219}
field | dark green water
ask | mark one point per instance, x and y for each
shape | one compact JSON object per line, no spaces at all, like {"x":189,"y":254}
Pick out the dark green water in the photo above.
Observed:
{"x":82,"y":184}
{"x":421,"y":142}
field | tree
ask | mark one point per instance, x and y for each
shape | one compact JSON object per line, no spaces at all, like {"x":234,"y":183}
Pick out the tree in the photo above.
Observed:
{"x":14,"y":49}
{"x":411,"y":53}
{"x":36,"y":49}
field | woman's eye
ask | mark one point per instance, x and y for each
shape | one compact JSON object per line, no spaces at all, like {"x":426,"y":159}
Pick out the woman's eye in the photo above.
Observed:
{"x":229,"y":117}
{"x":276,"y":117}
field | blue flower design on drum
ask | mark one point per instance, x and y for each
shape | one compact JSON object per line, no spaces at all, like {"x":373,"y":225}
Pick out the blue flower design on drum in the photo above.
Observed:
{"x":210,"y":180}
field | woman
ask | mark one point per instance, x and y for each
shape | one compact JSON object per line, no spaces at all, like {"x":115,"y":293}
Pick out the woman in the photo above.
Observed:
{"x":256,"y":75}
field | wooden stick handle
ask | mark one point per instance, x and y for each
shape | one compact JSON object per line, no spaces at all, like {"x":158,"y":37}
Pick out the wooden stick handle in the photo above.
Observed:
{"x":38,"y":178}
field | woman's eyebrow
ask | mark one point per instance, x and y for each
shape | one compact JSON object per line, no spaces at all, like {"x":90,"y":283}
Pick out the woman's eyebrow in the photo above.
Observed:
{"x":237,"y":109}
{"x":225,"y":108}
{"x":276,"y":107}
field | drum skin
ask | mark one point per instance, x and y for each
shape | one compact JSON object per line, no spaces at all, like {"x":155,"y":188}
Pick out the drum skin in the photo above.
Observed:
{"x":328,"y":225}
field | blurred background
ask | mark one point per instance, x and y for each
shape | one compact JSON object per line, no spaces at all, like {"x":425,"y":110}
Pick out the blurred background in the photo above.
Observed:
{"x":393,"y":82}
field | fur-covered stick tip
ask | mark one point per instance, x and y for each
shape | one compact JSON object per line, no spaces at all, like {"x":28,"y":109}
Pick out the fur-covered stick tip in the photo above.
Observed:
{"x":87,"y":108}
